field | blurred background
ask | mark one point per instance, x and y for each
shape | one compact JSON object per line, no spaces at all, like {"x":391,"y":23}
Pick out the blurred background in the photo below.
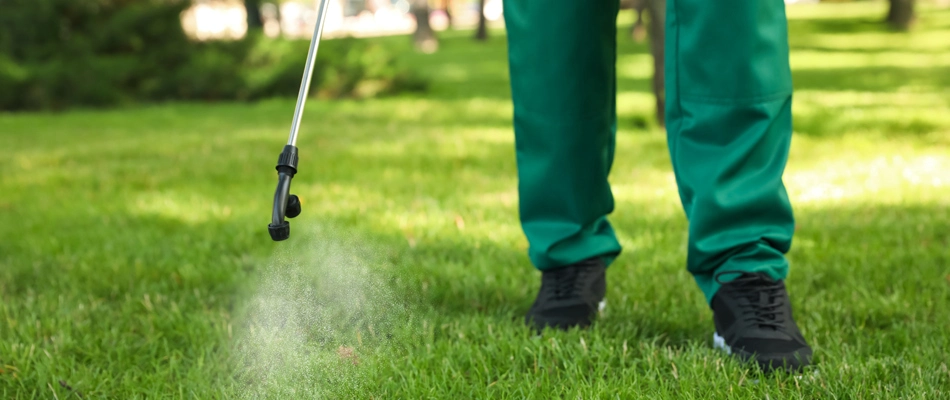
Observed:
{"x":55,"y":54}
{"x":60,"y":53}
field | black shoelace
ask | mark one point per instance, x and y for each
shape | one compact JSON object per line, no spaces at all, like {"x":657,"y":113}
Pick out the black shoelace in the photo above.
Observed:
{"x":565,"y":283}
{"x":764,"y":299}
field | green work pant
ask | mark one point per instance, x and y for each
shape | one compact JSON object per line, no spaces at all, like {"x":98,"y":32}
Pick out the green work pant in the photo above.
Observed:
{"x":729,"y":125}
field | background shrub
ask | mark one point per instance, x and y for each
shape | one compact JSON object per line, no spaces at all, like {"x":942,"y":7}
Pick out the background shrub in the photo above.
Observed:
{"x":56,"y":54}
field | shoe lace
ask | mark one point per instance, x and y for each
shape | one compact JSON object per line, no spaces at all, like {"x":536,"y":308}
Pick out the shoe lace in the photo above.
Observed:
{"x":764,"y":299}
{"x":565,"y":283}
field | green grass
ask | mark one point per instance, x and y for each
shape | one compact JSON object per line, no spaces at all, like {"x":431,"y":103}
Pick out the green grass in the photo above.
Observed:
{"x":135,"y":262}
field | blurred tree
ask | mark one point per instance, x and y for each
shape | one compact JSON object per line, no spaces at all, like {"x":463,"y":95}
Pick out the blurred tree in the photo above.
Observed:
{"x":447,"y":8}
{"x":656,"y":9}
{"x":638,"y":31}
{"x":424,"y":37}
{"x":901,"y":15}
{"x":481,"y":34}
{"x":254,"y":20}
{"x":654,"y":27}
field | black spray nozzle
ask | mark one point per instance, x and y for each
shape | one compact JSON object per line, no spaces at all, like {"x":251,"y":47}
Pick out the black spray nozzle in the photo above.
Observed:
{"x":280,"y":231}
{"x":285,"y":204}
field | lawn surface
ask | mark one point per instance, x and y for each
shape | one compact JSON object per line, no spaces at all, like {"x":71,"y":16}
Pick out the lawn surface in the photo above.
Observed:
{"x":135,"y":261}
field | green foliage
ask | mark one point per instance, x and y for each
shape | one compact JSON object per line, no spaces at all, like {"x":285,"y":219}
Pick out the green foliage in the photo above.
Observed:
{"x":56,"y":54}
{"x":64,"y":52}
{"x":344,"y":68}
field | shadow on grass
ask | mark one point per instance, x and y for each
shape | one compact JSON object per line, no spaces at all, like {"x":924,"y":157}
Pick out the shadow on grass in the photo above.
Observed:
{"x":865,"y":50}
{"x":832,"y":122}
{"x":844,"y":26}
{"x":870,"y":79}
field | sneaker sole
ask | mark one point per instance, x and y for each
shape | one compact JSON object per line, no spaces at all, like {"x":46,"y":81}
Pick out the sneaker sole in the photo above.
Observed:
{"x":720,"y":343}
{"x":600,"y":309}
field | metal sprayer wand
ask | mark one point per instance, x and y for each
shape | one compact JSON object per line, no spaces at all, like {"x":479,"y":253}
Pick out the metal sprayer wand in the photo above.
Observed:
{"x":286,"y":204}
{"x":308,"y":71}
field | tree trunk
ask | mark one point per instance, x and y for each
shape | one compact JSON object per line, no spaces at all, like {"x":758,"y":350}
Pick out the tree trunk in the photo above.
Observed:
{"x":254,"y":19}
{"x":656,"y":9}
{"x":637,"y":31}
{"x":424,"y":38}
{"x":482,"y":33}
{"x":447,"y":8}
{"x":900,"y":15}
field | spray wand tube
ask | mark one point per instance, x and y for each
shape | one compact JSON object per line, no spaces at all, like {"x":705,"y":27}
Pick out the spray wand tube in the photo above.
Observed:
{"x":286,"y":204}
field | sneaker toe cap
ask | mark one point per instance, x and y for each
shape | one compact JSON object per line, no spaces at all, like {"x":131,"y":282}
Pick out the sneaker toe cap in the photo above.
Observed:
{"x":563,"y":317}
{"x":791,"y":361}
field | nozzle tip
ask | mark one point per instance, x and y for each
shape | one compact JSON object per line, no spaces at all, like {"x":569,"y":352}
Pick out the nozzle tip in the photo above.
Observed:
{"x":280,"y":231}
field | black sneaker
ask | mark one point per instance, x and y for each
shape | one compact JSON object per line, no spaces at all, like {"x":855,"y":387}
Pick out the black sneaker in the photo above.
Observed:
{"x":754,"y":321}
{"x":569,"y":296}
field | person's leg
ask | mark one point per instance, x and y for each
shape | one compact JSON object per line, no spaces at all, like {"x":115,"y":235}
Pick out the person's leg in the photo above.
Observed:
{"x":562,"y":64}
{"x":562,"y":58}
{"x":729,"y":95}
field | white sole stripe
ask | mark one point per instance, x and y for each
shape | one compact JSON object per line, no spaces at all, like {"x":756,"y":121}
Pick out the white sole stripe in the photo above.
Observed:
{"x":720,"y":343}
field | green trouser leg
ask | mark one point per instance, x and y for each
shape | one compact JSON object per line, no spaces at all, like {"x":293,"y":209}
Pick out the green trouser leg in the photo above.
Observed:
{"x":729,"y":127}
{"x":562,"y":57}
